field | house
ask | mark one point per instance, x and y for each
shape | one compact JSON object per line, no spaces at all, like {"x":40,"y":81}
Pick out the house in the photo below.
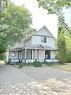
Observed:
{"x":40,"y":47}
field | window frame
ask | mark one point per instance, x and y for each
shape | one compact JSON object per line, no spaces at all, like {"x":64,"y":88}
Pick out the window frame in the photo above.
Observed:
{"x":44,"y":39}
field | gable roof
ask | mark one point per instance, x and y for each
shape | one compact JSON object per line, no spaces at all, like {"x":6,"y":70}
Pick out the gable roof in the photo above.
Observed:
{"x":39,"y":30}
{"x":47,"y":30}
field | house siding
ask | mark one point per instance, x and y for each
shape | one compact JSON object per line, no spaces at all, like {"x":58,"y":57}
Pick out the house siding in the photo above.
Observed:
{"x":44,"y":31}
{"x":36,"y":40}
{"x":28,"y":42}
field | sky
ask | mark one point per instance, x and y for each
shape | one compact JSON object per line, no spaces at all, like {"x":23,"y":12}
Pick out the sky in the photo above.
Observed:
{"x":68,"y":16}
{"x":40,"y":16}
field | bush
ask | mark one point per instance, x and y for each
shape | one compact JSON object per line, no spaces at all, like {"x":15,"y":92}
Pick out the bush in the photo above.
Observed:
{"x":68,"y":57}
{"x":49,"y":63}
{"x":37,"y":64}
{"x":2,"y":56}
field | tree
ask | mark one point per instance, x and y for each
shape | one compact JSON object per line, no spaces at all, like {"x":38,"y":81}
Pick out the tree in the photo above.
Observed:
{"x":56,"y":7}
{"x":15,"y":24}
{"x":61,"y":45}
{"x":68,"y":48}
{"x":3,"y":45}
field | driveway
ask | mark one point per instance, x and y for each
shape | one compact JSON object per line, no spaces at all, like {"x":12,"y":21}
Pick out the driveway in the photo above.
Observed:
{"x":34,"y":81}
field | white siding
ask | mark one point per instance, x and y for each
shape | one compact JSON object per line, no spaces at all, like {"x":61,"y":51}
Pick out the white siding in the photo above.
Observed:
{"x":36,"y":40}
{"x":51,"y":42}
{"x":43,"y":31}
{"x":27,"y":42}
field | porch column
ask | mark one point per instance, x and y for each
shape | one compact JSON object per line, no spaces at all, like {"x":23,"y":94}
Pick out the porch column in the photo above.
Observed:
{"x":44,"y":56}
{"x":18,"y":56}
{"x":25,"y":54}
{"x":35,"y":54}
{"x":32,"y":55}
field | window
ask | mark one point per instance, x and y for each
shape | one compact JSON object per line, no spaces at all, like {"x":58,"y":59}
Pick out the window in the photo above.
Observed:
{"x":44,"y":39}
{"x":47,"y":54}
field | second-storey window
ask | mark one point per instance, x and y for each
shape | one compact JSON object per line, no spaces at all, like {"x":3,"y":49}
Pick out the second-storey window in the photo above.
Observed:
{"x":43,"y":39}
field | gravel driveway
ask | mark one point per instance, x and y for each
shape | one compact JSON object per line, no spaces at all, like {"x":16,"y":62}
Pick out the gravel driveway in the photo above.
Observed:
{"x":34,"y":81}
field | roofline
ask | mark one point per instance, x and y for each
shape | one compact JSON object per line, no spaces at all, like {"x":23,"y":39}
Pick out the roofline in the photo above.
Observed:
{"x":47,"y":30}
{"x":42,"y":35}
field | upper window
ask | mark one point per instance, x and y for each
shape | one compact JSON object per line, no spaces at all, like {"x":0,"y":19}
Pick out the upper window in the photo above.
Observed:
{"x":44,"y":39}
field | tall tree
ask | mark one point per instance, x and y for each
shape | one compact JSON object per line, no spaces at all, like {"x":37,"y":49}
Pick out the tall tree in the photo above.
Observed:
{"x":16,"y":23}
{"x":61,"y":44}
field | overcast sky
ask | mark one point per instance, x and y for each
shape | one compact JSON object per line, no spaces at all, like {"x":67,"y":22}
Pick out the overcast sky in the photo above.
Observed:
{"x":40,"y":16}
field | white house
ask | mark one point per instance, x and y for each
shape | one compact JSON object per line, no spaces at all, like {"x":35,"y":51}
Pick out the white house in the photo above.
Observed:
{"x":40,"y":47}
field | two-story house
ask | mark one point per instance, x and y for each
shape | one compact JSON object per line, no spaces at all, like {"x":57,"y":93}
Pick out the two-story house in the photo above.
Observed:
{"x":40,"y":47}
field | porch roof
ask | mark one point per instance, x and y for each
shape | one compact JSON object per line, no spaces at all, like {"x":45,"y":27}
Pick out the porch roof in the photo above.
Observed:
{"x":39,"y":47}
{"x":27,"y":47}
{"x":16,"y":49}
{"x":34,"y":47}
{"x":50,"y":48}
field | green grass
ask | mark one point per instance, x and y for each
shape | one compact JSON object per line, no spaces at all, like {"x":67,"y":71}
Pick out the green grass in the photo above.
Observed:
{"x":65,"y":67}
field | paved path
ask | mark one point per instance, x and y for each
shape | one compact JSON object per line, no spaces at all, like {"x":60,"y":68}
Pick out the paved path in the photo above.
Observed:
{"x":34,"y":81}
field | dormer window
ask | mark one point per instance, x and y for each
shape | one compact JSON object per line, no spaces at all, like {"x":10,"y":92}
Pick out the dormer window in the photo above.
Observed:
{"x":44,"y":39}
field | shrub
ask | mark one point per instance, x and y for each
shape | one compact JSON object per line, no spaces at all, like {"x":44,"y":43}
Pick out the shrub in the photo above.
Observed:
{"x":68,"y":57}
{"x":2,"y":56}
{"x":37,"y":64}
{"x":49,"y":63}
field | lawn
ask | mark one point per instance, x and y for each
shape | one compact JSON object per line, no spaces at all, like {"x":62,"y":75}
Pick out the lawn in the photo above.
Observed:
{"x":66,"y":67}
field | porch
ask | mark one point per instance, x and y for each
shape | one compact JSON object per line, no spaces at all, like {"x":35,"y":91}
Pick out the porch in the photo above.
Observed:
{"x":31,"y":54}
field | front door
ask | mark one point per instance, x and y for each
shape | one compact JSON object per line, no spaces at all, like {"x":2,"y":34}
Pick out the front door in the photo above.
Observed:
{"x":47,"y":54}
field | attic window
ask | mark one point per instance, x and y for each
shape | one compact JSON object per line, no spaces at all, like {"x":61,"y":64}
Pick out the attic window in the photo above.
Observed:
{"x":44,"y":39}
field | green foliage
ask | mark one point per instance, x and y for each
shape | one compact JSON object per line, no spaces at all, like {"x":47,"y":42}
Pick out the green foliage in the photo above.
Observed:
{"x":14,"y":25}
{"x":37,"y":64}
{"x":18,"y":20}
{"x":2,"y":56}
{"x":68,"y":42}
{"x":55,"y":7}
{"x":48,"y":63}
{"x":3,"y":45}
{"x":68,"y":56}
{"x":52,"y":5}
{"x":68,"y":47}
{"x":61,"y":44}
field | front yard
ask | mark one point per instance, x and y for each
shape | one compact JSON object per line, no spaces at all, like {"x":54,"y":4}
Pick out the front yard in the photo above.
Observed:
{"x":66,"y":67}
